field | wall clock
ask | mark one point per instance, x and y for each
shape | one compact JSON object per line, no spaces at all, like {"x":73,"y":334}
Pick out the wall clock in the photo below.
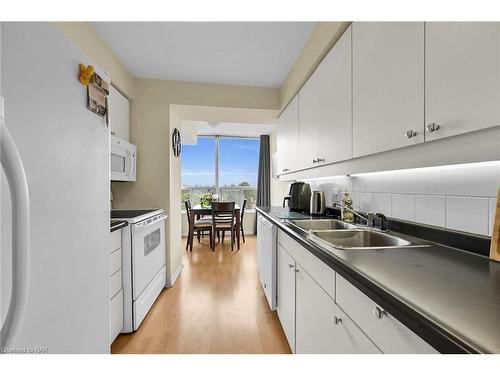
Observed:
{"x":176,"y":142}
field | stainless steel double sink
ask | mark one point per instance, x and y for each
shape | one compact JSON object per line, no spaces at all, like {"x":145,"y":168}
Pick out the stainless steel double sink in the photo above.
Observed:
{"x":346,"y":236}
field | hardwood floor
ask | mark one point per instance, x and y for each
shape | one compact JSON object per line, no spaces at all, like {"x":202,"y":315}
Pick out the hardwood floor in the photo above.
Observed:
{"x":216,"y":306}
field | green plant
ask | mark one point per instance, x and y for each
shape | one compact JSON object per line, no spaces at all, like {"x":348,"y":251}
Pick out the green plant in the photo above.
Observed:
{"x":206,"y":199}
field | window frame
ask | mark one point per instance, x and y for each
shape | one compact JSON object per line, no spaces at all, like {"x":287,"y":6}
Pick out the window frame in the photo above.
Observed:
{"x":217,"y":188}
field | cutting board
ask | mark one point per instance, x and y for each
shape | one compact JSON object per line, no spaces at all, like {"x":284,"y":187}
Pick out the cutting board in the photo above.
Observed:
{"x":495,"y":236}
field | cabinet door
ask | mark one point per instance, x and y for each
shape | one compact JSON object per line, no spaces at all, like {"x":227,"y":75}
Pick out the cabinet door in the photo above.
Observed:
{"x":388,"y":85}
{"x":281,"y":143}
{"x":292,"y":134}
{"x":309,"y":117}
{"x":315,"y":311}
{"x":462,"y":77}
{"x":286,"y":295}
{"x":119,"y":114}
{"x":348,"y":338}
{"x":333,"y":103}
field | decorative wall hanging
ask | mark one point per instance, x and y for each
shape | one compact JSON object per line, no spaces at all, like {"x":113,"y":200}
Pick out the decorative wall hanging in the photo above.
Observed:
{"x":176,"y":142}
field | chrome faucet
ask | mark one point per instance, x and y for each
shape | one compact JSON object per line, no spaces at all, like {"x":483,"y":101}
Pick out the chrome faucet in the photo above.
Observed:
{"x":369,"y":219}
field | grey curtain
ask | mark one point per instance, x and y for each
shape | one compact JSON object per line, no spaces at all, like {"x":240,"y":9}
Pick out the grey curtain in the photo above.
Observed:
{"x":264,"y":175}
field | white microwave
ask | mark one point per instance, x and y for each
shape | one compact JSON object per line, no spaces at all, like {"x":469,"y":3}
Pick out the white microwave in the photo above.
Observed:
{"x":123,"y":160}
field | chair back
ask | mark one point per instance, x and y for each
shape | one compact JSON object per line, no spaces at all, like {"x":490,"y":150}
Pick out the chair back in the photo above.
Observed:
{"x":223,"y":213}
{"x":187,"y":203}
{"x":243,"y":209}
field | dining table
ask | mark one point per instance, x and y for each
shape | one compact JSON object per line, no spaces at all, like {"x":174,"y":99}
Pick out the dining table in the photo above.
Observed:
{"x":199,"y":210}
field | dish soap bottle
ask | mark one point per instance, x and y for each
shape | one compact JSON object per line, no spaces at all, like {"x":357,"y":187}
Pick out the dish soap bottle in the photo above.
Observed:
{"x":346,"y":214}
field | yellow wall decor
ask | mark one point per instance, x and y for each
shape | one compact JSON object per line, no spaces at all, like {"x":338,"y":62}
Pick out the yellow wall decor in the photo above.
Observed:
{"x":86,"y":73}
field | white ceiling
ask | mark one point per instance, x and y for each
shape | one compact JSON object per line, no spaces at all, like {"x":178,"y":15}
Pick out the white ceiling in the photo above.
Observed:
{"x":237,"y":53}
{"x":191,"y":129}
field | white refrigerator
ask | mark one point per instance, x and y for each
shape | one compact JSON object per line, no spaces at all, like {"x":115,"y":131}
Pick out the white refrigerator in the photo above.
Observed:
{"x":54,"y":198}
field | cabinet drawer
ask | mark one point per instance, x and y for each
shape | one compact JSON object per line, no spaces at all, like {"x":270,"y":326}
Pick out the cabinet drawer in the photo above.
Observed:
{"x":115,"y":261}
{"x":319,"y":271}
{"x":116,"y":240}
{"x":115,"y":283}
{"x":115,"y":316}
{"x":389,"y":334}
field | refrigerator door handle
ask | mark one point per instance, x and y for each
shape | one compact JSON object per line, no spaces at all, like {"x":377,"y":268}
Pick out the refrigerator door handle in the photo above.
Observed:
{"x":18,"y":186}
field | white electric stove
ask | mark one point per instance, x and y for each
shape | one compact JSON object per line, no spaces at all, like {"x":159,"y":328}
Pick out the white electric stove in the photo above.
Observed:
{"x":143,"y":262}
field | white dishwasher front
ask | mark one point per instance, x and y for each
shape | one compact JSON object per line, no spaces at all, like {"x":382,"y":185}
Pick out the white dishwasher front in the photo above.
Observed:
{"x":266,"y":258}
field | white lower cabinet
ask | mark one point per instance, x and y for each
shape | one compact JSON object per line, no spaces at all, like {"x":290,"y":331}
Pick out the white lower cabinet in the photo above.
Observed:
{"x":315,"y":311}
{"x":388,"y":333}
{"x":349,"y":338}
{"x":286,"y":295}
{"x":317,"y":320}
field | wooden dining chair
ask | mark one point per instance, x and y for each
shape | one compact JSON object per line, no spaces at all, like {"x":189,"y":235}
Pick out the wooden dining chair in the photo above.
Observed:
{"x":242,"y":214}
{"x":223,"y":220}
{"x":199,"y":226}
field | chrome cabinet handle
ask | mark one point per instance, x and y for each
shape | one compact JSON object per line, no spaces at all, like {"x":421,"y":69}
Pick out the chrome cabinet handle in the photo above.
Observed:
{"x":410,"y":134}
{"x":379,"y":312}
{"x":296,"y":270}
{"x":320,"y":160}
{"x":291,"y":265}
{"x":337,"y":320}
{"x":315,"y":161}
{"x":432,"y":127}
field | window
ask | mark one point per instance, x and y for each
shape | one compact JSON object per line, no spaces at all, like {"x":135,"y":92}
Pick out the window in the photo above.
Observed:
{"x":224,"y":165}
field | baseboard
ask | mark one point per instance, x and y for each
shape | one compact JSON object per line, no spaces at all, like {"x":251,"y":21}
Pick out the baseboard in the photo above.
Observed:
{"x":171,"y":281}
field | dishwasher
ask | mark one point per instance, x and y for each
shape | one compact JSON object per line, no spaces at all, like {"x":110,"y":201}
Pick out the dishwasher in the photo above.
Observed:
{"x":266,"y":258}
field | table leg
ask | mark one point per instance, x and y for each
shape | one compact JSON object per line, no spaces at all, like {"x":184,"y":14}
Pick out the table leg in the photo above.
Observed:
{"x":191,"y":230}
{"x":238,"y":217}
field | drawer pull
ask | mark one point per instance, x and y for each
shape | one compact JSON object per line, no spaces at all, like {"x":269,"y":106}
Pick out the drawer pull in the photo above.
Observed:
{"x":378,"y":312}
{"x":337,"y":320}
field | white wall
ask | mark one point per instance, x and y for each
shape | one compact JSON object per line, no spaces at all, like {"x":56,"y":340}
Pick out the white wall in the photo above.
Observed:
{"x":460,"y":197}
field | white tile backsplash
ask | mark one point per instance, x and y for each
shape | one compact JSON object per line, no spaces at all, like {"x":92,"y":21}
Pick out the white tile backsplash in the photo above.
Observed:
{"x":416,"y":182}
{"x":430,"y":209}
{"x":365,"y":202}
{"x":483,"y":181}
{"x":392,"y":182}
{"x":447,"y":182}
{"x":403,"y":206}
{"x":382,"y":203}
{"x":374,"y":183}
{"x":434,"y":196}
{"x":358,"y":183}
{"x":467,"y":214}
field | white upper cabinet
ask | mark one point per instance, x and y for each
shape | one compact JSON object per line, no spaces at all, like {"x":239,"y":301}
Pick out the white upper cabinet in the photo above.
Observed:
{"x":388,"y":85}
{"x":281,"y":144}
{"x":288,"y":137}
{"x":292,"y":134}
{"x":462,"y":77}
{"x":119,"y":114}
{"x":325,"y":109}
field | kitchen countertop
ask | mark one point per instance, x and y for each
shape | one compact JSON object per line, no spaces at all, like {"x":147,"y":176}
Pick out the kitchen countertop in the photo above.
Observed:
{"x":449,"y":297}
{"x":117,"y":224}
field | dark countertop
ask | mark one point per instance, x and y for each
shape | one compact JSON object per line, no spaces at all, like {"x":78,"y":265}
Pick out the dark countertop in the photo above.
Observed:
{"x":117,"y":224}
{"x":449,"y":297}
